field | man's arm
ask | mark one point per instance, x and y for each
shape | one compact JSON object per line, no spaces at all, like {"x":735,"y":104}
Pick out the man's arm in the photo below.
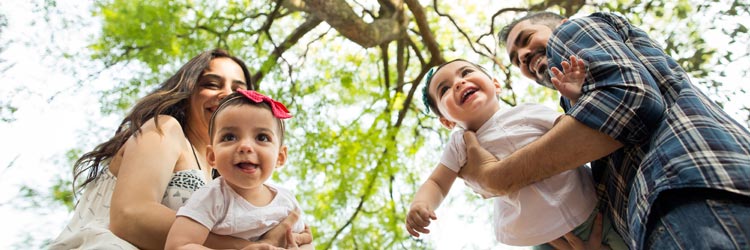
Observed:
{"x":569,"y":144}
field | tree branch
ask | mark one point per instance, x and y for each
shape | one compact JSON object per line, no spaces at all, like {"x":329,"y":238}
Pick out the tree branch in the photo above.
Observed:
{"x":341,"y":17}
{"x":424,"y":30}
{"x":310,"y":23}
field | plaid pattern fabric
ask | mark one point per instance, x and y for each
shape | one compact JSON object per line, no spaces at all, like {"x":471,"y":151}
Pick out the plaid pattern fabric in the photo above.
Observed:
{"x":673,"y":135}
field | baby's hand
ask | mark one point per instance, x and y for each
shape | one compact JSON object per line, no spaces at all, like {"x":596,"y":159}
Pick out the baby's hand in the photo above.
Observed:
{"x":570,"y":80}
{"x":418,"y":219}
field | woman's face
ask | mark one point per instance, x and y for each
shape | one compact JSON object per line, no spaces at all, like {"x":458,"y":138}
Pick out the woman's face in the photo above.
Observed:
{"x":222,"y":77}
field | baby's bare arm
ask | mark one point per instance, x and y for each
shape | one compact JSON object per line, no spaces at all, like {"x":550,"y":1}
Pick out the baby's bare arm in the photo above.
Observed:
{"x":427,"y":199}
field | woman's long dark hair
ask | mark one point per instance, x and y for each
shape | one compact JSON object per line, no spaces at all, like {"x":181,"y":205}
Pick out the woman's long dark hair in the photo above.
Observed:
{"x":171,"y":98}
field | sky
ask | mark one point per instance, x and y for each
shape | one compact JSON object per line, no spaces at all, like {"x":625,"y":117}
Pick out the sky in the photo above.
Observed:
{"x":55,"y":113}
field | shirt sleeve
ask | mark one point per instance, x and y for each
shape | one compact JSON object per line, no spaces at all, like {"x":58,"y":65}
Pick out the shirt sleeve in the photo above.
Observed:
{"x":454,"y":153}
{"x":204,"y":206}
{"x":619,"y":97}
{"x":539,"y":116}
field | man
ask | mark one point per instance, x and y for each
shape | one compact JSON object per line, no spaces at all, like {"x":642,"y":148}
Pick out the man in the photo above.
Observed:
{"x":673,"y":169}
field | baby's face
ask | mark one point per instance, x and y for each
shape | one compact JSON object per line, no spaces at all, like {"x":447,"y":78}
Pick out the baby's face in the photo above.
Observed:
{"x":246,"y":146}
{"x":463,"y":93}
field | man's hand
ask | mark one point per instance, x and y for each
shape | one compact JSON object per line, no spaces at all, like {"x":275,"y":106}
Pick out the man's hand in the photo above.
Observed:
{"x":475,"y":172}
{"x":418,"y":218}
{"x":571,"y":242}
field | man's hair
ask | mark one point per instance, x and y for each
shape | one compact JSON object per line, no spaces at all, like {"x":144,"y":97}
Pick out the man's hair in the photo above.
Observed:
{"x":550,"y":19}
{"x":430,"y":103}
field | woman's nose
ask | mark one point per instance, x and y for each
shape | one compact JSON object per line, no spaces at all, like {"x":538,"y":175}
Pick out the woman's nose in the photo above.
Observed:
{"x":224,"y":92}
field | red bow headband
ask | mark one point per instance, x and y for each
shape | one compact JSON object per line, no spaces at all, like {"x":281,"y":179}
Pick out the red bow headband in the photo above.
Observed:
{"x":278,"y":109}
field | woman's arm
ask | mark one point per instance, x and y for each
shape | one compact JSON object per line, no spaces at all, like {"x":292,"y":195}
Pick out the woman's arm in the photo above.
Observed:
{"x":186,"y":234}
{"x":147,"y":165}
{"x":148,"y":161}
{"x":428,"y":198}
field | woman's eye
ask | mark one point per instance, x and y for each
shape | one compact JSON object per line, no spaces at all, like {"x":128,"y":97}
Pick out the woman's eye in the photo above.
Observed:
{"x":240,"y":87}
{"x":211,"y":85}
{"x":228,"y":137}
{"x":263,"y":137}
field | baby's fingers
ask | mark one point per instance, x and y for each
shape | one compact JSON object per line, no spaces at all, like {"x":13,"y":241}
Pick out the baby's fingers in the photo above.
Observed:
{"x":580,"y":63}
{"x":566,"y":66}
{"x":410,"y":228}
{"x":423,"y":218}
{"x":577,"y":63}
{"x":557,"y":73}
{"x":414,"y":228}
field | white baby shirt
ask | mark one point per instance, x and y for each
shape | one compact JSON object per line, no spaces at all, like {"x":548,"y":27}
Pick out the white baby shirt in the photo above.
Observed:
{"x":220,"y":209}
{"x":540,"y":212}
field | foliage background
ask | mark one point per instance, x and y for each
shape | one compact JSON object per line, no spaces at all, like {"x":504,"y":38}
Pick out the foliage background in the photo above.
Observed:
{"x":360,"y":143}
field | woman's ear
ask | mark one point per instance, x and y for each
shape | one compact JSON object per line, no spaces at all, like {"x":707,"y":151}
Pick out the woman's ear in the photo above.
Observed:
{"x":447,"y":123}
{"x":282,"y":156}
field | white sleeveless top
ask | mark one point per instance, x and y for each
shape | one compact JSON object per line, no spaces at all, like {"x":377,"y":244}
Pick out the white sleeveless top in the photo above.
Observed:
{"x":89,"y":226}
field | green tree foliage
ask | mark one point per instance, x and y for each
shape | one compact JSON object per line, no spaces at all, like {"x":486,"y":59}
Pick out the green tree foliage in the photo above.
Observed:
{"x":6,"y":109}
{"x":351,"y":72}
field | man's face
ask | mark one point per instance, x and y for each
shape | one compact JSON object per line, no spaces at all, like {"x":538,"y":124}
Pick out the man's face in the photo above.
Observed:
{"x":527,"y":49}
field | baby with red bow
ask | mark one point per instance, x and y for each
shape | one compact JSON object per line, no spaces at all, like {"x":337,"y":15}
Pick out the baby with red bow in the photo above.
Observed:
{"x":247,"y":145}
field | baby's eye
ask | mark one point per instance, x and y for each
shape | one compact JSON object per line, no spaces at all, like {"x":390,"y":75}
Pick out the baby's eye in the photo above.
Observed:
{"x":263,"y":137}
{"x":442,"y":91}
{"x":466,"y":71}
{"x":228,"y":137}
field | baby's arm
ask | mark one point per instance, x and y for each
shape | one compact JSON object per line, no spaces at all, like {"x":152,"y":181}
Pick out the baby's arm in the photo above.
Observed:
{"x":427,"y":199}
{"x":570,"y":80}
{"x":186,"y":234}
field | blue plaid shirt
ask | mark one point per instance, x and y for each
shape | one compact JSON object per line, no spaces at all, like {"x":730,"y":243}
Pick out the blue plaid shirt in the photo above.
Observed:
{"x":673,"y":135}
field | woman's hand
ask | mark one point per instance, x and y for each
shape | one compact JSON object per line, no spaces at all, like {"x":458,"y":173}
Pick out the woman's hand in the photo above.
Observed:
{"x":261,"y":246}
{"x":305,"y":237}
{"x":278,"y":235}
{"x":571,"y":242}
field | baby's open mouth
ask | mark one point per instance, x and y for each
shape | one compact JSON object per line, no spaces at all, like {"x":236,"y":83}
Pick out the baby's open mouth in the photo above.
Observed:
{"x":467,"y":94}
{"x":247,"y":165}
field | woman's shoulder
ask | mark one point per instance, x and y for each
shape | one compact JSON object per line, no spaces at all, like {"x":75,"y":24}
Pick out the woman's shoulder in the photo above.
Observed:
{"x":164,"y":123}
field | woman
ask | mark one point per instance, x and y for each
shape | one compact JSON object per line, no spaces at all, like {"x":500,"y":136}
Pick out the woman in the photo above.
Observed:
{"x":156,"y":159}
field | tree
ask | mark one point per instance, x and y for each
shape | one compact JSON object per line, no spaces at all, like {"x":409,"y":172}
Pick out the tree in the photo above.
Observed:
{"x":6,"y":109}
{"x":351,"y":71}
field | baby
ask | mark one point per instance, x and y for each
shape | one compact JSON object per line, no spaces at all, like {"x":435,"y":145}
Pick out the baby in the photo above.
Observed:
{"x":247,"y":145}
{"x":463,"y":94}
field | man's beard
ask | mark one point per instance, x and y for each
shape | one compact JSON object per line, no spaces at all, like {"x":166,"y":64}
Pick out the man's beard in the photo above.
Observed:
{"x":546,"y":79}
